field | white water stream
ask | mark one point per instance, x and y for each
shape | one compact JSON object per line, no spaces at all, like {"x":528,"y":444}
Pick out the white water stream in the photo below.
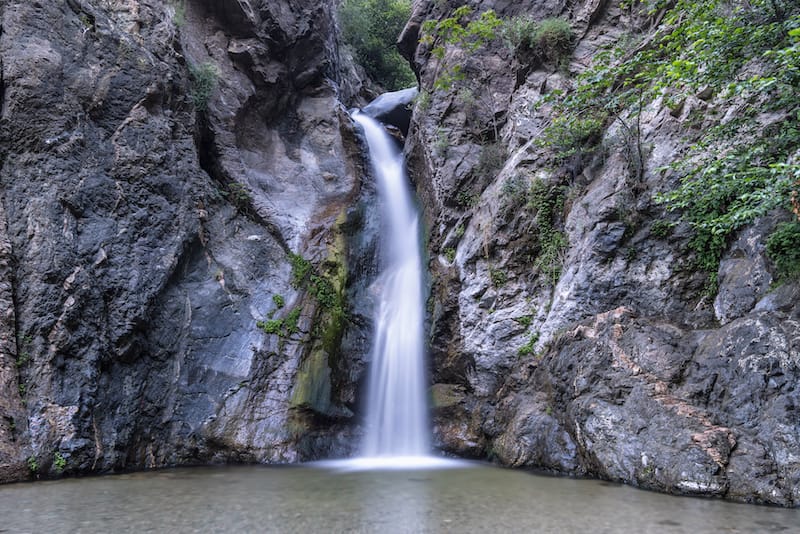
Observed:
{"x":397,"y":424}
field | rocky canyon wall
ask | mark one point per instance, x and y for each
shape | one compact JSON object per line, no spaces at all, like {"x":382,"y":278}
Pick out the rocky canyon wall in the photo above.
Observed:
{"x":183,"y":221}
{"x":608,"y":357}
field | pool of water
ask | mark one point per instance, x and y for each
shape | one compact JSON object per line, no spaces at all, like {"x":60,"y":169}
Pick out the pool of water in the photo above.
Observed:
{"x":331,"y":498}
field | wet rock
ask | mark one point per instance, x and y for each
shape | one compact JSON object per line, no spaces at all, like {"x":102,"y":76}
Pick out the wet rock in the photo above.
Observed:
{"x":393,"y":108}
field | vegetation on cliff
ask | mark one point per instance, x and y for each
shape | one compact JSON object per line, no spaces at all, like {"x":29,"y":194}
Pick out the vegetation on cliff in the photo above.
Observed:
{"x":742,"y":55}
{"x":371,"y":27}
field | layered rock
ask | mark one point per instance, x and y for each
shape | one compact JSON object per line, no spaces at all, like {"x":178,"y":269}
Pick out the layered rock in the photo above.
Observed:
{"x":609,"y":360}
{"x":163,"y":165}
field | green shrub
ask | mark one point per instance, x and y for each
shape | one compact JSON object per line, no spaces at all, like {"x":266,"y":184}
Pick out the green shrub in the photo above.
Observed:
{"x":450,"y":254}
{"x":371,"y":28}
{"x":515,"y":190}
{"x":498,"y":277}
{"x":300,"y":269}
{"x":33,"y":465}
{"x":457,"y":30}
{"x":279,"y":301}
{"x":528,"y":348}
{"x":525,"y":320}
{"x":661,"y":229}
{"x":238,"y":195}
{"x":59,"y":462}
{"x":783,"y":248}
{"x":569,"y":135}
{"x":550,"y":40}
{"x":204,"y":81}
{"x":423,"y":101}
{"x":734,"y":172}
{"x":273,"y":326}
{"x":548,"y":202}
{"x":518,"y":32}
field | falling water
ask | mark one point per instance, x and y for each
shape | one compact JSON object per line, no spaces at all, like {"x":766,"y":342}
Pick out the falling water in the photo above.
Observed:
{"x":396,"y":410}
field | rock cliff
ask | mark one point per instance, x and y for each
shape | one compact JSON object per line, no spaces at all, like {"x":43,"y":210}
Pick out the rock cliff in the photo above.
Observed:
{"x":187,"y":242}
{"x":183,"y":227}
{"x":570,"y":328}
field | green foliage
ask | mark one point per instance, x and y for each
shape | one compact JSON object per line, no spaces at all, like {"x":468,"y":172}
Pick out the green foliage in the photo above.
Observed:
{"x":371,"y":27}
{"x":23,"y":358}
{"x":467,"y":199}
{"x":569,"y":135}
{"x":738,"y":170}
{"x":783,"y":248}
{"x":548,"y":203}
{"x":239,"y":196}
{"x":549,"y":41}
{"x":517,"y":32}
{"x":279,"y":301}
{"x":59,"y":462}
{"x":498,"y":277}
{"x":33,"y":465}
{"x":322,"y":289}
{"x":204,"y":81}
{"x":730,"y":192}
{"x":459,"y":231}
{"x":528,"y":348}
{"x":661,"y":229}
{"x":273,"y":326}
{"x":450,"y":254}
{"x":515,"y":190}
{"x":300,"y":269}
{"x":525,"y":320}
{"x":457,"y":30}
{"x":328,"y":294}
{"x":282,"y":327}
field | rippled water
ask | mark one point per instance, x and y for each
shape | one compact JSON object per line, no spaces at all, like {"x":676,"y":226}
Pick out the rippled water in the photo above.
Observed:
{"x":325,"y":499}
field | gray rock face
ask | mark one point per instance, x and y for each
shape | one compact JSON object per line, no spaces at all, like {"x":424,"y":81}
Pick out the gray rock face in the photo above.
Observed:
{"x":146,"y":226}
{"x":606,"y":359}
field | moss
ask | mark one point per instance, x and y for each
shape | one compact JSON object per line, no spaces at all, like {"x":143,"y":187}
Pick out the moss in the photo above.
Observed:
{"x":312,"y":388}
{"x":313,"y":383}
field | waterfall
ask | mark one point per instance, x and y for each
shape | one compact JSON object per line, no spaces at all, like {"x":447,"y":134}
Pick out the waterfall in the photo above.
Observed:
{"x":396,"y":409}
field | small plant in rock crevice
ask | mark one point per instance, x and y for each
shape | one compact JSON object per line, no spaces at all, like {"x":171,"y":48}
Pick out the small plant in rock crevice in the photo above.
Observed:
{"x":498,"y":277}
{"x":783,"y":248}
{"x":204,"y":80}
{"x":547,"y":203}
{"x":549,"y":40}
{"x":59,"y":462}
{"x":528,"y":348}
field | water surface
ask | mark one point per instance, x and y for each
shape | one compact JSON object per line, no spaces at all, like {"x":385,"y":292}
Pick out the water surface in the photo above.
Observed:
{"x":323,"y":499}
